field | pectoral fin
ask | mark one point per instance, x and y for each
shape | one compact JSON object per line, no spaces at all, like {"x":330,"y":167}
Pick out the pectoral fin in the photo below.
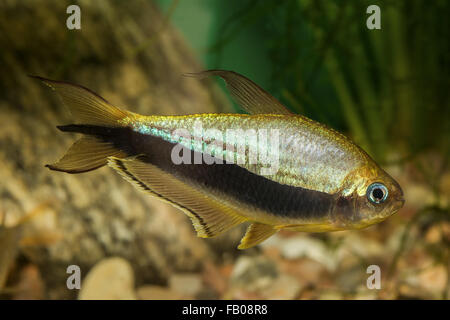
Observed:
{"x":256,"y":233}
{"x":248,"y":94}
{"x":209,"y":216}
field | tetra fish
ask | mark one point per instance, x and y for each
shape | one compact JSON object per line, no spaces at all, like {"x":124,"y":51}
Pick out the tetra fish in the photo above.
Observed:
{"x":322,"y":182}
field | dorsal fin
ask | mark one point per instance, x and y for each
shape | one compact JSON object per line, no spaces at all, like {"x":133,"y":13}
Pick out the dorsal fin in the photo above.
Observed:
{"x":256,"y":233}
{"x":247,"y":94}
{"x":209,"y":216}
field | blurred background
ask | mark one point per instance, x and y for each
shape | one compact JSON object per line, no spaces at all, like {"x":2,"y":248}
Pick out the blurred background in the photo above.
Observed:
{"x":387,"y":89}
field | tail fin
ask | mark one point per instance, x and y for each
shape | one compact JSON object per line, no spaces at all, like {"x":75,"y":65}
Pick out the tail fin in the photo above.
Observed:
{"x":86,"y":106}
{"x":86,"y":154}
{"x":88,"y":109}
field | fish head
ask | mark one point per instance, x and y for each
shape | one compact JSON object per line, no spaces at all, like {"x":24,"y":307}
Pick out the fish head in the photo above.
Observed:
{"x":374,"y":197}
{"x":379,"y":198}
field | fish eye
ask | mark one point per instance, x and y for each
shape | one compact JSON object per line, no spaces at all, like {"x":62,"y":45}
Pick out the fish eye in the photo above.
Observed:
{"x":377,"y":193}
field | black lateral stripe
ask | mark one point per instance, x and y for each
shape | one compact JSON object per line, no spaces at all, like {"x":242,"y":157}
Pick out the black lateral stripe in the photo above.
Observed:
{"x":228,"y":179}
{"x":232,"y":180}
{"x":145,"y":187}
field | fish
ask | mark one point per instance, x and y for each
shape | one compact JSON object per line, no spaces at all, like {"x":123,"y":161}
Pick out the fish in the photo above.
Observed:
{"x":268,"y":167}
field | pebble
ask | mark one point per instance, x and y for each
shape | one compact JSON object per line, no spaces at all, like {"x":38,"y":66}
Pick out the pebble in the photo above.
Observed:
{"x":253,"y":273}
{"x":284,"y":287}
{"x":189,"y":284}
{"x":109,"y":279}
{"x":434,"y":279}
{"x":300,"y":246}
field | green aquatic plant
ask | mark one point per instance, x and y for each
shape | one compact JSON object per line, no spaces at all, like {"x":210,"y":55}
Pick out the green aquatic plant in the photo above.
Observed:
{"x":387,"y":88}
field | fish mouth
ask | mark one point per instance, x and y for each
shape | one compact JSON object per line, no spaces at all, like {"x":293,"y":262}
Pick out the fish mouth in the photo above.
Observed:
{"x":394,"y":208}
{"x":398,"y":204}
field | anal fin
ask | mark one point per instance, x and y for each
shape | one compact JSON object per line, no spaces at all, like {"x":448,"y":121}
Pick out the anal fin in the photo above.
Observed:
{"x":256,"y":233}
{"x":209,"y":216}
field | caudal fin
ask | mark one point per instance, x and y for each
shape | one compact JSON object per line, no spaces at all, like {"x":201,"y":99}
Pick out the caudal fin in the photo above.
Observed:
{"x":86,"y":106}
{"x":86,"y":154}
{"x":89,"y":110}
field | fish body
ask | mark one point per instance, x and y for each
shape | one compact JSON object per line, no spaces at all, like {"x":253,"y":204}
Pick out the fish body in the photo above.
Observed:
{"x":271,"y":168}
{"x":309,"y":156}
